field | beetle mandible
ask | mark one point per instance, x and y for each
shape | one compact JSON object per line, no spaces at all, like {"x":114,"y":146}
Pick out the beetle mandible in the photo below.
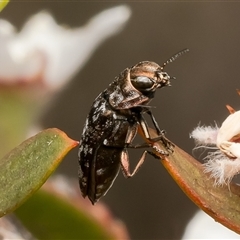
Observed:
{"x":112,"y":124}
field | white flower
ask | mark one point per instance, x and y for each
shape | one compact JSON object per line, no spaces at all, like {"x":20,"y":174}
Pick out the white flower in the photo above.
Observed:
{"x":229,"y":136}
{"x":51,"y":54}
{"x":206,"y":135}
{"x":224,"y":163}
{"x":202,"y":226}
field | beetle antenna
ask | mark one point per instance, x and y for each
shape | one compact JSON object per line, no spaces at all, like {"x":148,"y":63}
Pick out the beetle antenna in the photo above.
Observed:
{"x":174,"y":57}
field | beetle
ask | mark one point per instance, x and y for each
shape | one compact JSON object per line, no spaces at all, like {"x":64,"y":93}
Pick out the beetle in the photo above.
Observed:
{"x":112,"y":124}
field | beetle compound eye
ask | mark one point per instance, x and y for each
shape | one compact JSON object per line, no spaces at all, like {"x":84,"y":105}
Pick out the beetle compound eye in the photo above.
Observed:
{"x":142,"y":83}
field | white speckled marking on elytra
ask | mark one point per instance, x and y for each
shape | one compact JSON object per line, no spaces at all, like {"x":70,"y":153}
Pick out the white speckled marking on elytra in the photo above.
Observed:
{"x":80,"y":148}
{"x":85,"y":150}
{"x":96,"y":103}
{"x":85,"y":127}
{"x":101,"y":171}
{"x":100,"y":187}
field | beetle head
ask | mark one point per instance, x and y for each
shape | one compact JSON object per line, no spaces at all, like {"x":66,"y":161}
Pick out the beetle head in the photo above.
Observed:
{"x":147,"y":76}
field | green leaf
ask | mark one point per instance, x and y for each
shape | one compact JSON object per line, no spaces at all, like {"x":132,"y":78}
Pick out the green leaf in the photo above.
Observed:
{"x":221,"y":203}
{"x":3,"y":4}
{"x":19,"y":110}
{"x":50,"y":217}
{"x":27,"y":167}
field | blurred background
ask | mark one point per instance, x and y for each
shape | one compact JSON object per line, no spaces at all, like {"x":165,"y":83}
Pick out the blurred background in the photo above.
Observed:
{"x":151,"y":204}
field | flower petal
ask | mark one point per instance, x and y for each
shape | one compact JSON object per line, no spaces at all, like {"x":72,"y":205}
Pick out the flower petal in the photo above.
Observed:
{"x":51,"y":52}
{"x":229,"y":129}
{"x":205,"y":135}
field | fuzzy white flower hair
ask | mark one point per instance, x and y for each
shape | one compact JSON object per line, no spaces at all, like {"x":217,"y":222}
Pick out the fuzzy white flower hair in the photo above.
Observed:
{"x":223,"y":163}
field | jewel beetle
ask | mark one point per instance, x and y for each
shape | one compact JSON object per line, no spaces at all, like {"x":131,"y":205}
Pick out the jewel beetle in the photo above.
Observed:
{"x":112,"y":124}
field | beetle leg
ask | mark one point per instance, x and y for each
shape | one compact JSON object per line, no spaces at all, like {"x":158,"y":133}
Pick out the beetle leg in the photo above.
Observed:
{"x":166,"y":142}
{"x":147,"y":110}
{"x":126,"y":166}
{"x":143,"y":145}
{"x":125,"y":163}
{"x":159,"y":151}
{"x":161,"y":136}
{"x":130,"y":137}
{"x":132,"y":132}
{"x":159,"y":132}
